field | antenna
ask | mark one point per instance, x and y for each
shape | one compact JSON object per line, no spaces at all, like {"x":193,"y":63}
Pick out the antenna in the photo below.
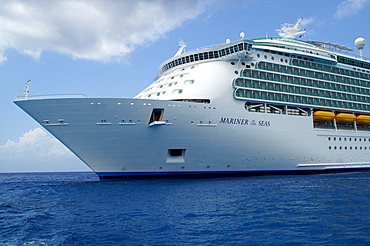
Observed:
{"x":360,"y":44}
{"x":182,"y":46}
{"x":27,"y":91}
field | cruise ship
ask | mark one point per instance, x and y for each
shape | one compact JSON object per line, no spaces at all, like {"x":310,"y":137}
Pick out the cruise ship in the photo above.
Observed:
{"x":250,"y":106}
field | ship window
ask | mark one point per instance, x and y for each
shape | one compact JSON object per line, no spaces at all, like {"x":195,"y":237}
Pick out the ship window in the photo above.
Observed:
{"x":157,"y":115}
{"x":175,"y":152}
{"x":176,"y":156}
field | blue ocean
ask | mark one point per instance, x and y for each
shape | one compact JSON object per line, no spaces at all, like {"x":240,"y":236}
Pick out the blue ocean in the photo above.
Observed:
{"x":77,"y":209}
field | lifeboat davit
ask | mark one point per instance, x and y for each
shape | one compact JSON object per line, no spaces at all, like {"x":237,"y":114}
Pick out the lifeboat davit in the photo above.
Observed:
{"x":323,"y":116}
{"x":345,"y":118}
{"x":363,"y":120}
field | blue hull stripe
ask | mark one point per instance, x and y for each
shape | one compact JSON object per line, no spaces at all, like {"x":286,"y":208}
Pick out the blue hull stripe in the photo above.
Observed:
{"x":111,"y":176}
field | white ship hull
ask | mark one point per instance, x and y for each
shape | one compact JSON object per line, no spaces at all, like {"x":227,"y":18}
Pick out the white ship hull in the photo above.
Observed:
{"x":214,"y":141}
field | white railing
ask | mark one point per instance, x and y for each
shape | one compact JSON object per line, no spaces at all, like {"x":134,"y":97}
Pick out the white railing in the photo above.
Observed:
{"x":21,"y":98}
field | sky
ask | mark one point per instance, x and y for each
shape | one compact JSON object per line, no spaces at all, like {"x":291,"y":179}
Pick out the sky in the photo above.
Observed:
{"x":112,"y":48}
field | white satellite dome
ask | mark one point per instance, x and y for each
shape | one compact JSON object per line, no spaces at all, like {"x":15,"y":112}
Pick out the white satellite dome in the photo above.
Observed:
{"x":360,"y":43}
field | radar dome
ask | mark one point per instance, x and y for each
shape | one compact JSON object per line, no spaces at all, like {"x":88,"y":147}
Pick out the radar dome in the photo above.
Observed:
{"x":360,"y":43}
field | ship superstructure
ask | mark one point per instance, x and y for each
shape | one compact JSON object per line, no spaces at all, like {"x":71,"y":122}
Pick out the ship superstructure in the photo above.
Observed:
{"x":261,"y":105}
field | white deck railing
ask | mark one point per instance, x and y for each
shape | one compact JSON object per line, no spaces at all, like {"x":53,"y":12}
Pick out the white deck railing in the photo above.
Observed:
{"x":20,"y":98}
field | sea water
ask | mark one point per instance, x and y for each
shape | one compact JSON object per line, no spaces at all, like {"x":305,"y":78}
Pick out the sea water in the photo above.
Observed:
{"x":77,"y":209}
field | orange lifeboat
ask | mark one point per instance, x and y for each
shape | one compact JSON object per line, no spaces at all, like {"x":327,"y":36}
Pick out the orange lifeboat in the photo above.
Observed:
{"x":345,"y":118}
{"x":363,"y":120}
{"x":323,"y":116}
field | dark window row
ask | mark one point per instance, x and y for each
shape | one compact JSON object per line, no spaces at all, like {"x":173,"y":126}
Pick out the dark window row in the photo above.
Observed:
{"x":304,"y":81}
{"x":208,"y":55}
{"x":298,"y":99}
{"x":332,"y":69}
{"x":312,"y":74}
{"x":347,"y":148}
{"x":354,"y":62}
{"x":272,"y":86}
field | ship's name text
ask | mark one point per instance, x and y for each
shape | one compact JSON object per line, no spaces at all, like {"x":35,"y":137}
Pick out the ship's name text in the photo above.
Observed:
{"x":245,"y":122}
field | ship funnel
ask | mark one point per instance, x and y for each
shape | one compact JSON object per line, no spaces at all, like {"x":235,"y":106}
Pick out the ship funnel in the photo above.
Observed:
{"x":360,"y":44}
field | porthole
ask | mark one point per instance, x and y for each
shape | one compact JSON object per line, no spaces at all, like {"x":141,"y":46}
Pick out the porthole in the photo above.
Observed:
{"x":360,"y":148}
{"x":258,"y":55}
{"x":281,"y":60}
{"x":340,"y":147}
{"x":180,"y":91}
{"x":335,"y":139}
{"x":265,"y":56}
{"x":252,"y":64}
{"x":161,"y":86}
{"x":243,"y":63}
{"x":181,"y":75}
{"x":272,"y":58}
{"x":172,"y":77}
{"x":329,"y":138}
{"x":356,"y":148}
{"x":345,"y":139}
{"x":350,"y":139}
{"x":355,"y":139}
{"x":335,"y":147}
{"x":236,"y":72}
{"x":170,"y":84}
{"x":350,"y":147}
{"x":158,"y":94}
{"x":329,"y":147}
{"x":340,"y":139}
{"x":345,"y":148}
{"x":233,"y":63}
{"x":192,"y":67}
{"x":359,"y":139}
{"x":149,"y":95}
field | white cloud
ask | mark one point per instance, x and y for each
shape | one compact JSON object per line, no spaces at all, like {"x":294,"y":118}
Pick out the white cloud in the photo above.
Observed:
{"x":99,"y":30}
{"x":34,"y":144}
{"x":349,"y":7}
{"x":35,"y":151}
